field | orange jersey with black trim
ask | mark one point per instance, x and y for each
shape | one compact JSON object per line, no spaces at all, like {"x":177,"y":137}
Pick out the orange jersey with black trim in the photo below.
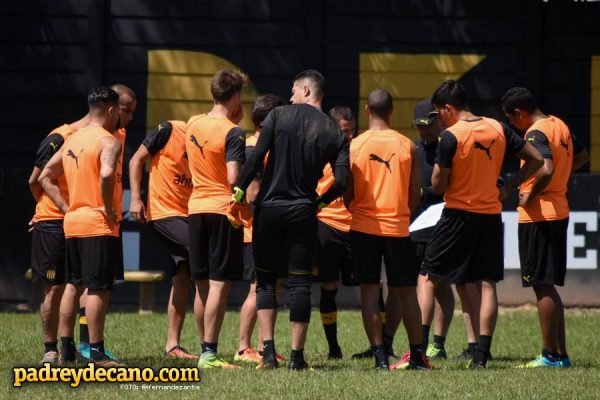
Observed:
{"x":476,"y":165}
{"x":381,"y":164}
{"x":121,"y":135}
{"x":81,"y":164}
{"x":170,"y":184}
{"x":210,"y":143}
{"x":552,"y":203}
{"x":335,"y":214}
{"x":45,"y":209}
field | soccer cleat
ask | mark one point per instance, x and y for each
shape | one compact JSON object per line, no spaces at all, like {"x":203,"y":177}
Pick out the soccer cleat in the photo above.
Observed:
{"x":248,"y":355}
{"x":363,"y":355}
{"x":335,"y":354}
{"x":280,"y":358}
{"x":476,"y":365}
{"x":211,"y":360}
{"x":108,"y":362}
{"x":436,"y":352}
{"x":466,"y":355}
{"x":78,"y":359}
{"x":390,"y":351}
{"x":180,"y":352}
{"x":403,"y":363}
{"x":268,"y":362}
{"x":542,"y":362}
{"x":565,"y":362}
{"x":421,"y":365}
{"x":84,"y":350}
{"x":298,"y":365}
{"x":50,"y":357}
{"x":382,"y":361}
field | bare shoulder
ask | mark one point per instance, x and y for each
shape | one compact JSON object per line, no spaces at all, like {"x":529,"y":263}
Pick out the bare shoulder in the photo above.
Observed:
{"x":110,"y":143}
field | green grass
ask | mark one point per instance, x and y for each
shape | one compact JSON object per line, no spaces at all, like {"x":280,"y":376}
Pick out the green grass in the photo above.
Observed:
{"x":139,"y":340}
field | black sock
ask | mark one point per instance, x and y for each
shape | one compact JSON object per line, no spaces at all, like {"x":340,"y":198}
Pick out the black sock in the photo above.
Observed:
{"x":51,"y":346}
{"x":483,"y":349}
{"x":471,"y":347}
{"x":550,"y":355}
{"x":440,"y":341}
{"x":268,"y":348}
{"x":261,"y":353}
{"x":297,"y":355}
{"x":388,"y":341}
{"x":209,"y":347}
{"x":84,"y":334}
{"x":563,"y":356}
{"x":97,"y":350}
{"x":425,"y":335}
{"x":328,"y":309}
{"x":416,"y":353}
{"x":67,"y":348}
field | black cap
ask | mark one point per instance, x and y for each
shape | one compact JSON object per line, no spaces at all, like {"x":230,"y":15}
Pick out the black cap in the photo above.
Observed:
{"x":424,"y":113}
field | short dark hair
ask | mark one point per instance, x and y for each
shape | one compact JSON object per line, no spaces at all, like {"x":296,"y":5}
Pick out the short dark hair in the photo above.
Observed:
{"x":263,"y":106}
{"x":518,"y":97}
{"x":450,"y":92}
{"x":316,"y":78}
{"x":102,"y":96}
{"x":225,"y":83}
{"x":380,"y":103}
{"x":341,"y":112}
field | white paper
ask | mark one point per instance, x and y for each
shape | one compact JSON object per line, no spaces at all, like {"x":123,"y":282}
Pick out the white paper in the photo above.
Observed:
{"x":428,"y":218}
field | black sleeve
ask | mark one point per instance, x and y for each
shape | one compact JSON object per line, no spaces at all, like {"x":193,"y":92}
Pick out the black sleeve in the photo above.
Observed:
{"x":157,"y":140}
{"x":249,"y":151}
{"x":539,"y":140}
{"x":341,"y":171}
{"x":577,"y":146}
{"x":446,"y":149}
{"x":514,"y":142}
{"x":235,"y":145}
{"x":255,"y":159}
{"x":47,"y":148}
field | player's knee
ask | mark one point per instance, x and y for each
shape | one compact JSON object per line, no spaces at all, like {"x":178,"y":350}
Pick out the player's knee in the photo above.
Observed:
{"x":266,"y":297}
{"x":299,"y":298}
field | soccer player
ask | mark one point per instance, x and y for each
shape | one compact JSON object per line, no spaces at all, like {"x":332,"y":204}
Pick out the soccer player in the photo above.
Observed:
{"x":260,"y":109}
{"x":215,"y":146}
{"x":466,"y":245}
{"x":384,"y":188}
{"x":169,"y":189}
{"x":544,"y":217}
{"x":440,"y":300}
{"x":127,"y":106}
{"x":300,"y":140}
{"x":48,"y":238}
{"x":89,"y":163}
{"x":333,"y":246}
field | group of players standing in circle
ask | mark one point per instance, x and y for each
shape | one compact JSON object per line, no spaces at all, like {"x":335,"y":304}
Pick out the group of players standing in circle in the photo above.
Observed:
{"x":304,"y":197}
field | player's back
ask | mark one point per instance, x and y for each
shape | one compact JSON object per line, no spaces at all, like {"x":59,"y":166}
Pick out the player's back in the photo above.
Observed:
{"x":480,"y":148}
{"x":81,"y":163}
{"x":381,"y":169}
{"x":170,"y":183}
{"x":206,"y":145}
{"x":304,"y":140}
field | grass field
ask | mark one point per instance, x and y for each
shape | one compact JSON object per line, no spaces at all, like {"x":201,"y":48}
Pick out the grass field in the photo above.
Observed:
{"x":139,"y":341}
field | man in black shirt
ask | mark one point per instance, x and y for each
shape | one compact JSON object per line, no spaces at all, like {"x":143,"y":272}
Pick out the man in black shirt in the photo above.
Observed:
{"x":300,"y":140}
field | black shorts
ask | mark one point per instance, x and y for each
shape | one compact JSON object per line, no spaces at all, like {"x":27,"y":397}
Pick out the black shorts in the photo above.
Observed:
{"x":173,"y":232}
{"x":543,"y":252}
{"x":93,"y":261}
{"x":398,"y":254}
{"x":420,"y":248}
{"x":215,"y":248}
{"x":249,"y":267}
{"x":333,"y":256}
{"x":283,"y":239}
{"x":466,"y":247}
{"x":120,"y":268}
{"x":48,"y":253}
